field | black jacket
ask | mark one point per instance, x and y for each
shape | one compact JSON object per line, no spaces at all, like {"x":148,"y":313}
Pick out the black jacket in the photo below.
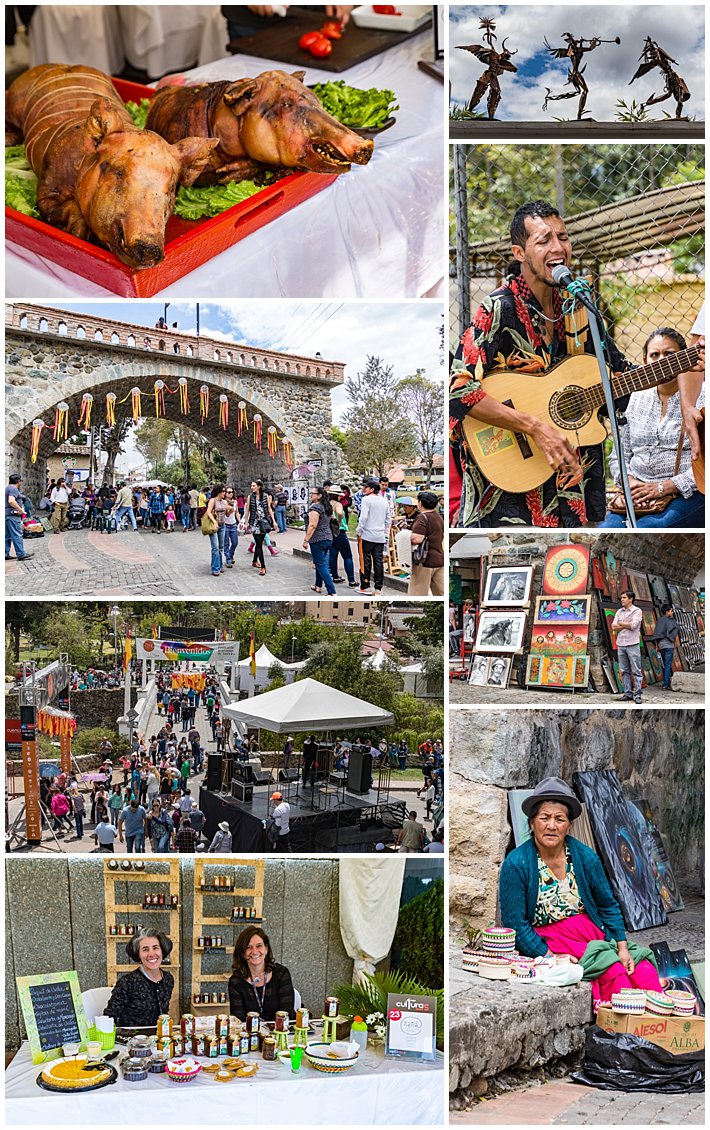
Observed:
{"x":278,"y":996}
{"x":137,"y":1002}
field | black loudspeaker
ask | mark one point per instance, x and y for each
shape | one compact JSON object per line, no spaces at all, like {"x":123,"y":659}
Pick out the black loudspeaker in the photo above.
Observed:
{"x":244,"y":793}
{"x":359,"y":770}
{"x":213,"y":780}
{"x":288,"y":774}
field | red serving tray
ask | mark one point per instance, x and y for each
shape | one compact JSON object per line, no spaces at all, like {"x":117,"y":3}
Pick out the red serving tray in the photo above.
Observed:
{"x":188,"y":243}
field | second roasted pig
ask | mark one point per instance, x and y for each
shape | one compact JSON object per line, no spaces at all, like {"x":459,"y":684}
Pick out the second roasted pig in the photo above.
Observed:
{"x":271,"y":120}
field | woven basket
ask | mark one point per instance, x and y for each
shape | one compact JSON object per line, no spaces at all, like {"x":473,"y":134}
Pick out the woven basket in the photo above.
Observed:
{"x":106,"y":1039}
{"x":316,"y":1054}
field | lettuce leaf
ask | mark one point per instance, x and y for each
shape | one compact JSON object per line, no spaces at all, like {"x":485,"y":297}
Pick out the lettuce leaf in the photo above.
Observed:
{"x":359,"y":109}
{"x":193,"y":203}
{"x":138,"y":112}
{"x":20,"y":182}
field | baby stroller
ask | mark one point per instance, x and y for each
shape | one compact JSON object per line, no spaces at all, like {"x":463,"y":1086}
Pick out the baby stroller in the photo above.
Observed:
{"x":76,"y":513}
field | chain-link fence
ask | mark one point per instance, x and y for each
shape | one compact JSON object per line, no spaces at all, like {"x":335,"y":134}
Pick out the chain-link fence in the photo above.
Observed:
{"x":635,"y":215}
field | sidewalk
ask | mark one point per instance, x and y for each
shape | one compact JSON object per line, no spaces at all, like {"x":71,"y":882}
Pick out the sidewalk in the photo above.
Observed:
{"x":565,"y":1103}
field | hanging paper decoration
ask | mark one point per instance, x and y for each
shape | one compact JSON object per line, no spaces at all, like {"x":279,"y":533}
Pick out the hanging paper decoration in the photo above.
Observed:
{"x":87,"y":401}
{"x":136,"y":404}
{"x":159,"y":395}
{"x":61,"y":418}
{"x":55,"y":722}
{"x":288,"y":452}
{"x":184,"y":401}
{"x":110,"y":409}
{"x":204,"y":402}
{"x":37,"y":426}
{"x":271,"y":440}
{"x":224,"y":410}
{"x":242,"y":421}
{"x":257,"y":430}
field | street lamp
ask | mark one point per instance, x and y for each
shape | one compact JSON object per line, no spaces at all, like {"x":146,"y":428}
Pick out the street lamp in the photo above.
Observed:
{"x":293,"y":646}
{"x":165,"y":312}
{"x":114,"y":613}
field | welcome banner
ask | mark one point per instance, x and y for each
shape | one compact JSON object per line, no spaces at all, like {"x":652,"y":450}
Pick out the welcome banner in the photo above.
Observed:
{"x":179,"y":651}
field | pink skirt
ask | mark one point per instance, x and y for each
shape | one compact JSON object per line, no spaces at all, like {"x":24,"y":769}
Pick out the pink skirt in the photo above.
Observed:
{"x":572,"y":935}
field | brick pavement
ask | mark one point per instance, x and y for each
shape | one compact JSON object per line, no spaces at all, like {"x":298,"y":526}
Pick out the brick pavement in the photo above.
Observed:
{"x":139,"y":564}
{"x":564,"y":1103}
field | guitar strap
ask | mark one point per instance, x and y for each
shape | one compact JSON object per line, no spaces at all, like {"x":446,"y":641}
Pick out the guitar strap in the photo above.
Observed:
{"x":577,"y":327}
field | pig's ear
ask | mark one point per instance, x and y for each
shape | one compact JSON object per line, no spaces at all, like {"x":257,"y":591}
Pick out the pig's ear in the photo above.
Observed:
{"x":104,"y":118}
{"x":239,"y":94}
{"x":298,"y":75}
{"x":193,"y":154}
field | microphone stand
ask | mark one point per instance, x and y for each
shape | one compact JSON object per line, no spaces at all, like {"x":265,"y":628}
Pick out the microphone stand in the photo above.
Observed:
{"x":579,"y":290}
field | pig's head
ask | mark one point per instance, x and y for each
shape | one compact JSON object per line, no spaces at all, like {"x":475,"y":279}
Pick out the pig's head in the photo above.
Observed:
{"x":127,"y":181}
{"x":275,"y":119}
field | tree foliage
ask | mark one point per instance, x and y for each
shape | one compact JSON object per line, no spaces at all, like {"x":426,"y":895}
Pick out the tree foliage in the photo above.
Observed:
{"x":424,"y":402}
{"x":378,"y":430}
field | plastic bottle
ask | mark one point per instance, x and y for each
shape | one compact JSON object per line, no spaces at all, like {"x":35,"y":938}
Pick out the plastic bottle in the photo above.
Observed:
{"x":358,"y":1032}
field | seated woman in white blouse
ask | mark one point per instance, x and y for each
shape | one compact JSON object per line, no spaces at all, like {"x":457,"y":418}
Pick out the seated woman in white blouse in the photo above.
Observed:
{"x":650,"y":444}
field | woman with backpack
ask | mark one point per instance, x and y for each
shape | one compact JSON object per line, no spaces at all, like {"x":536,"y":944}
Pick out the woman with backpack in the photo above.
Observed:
{"x":319,"y":538}
{"x":341,"y":543}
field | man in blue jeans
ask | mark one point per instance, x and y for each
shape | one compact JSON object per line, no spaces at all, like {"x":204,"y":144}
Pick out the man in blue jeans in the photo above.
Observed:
{"x":280,"y":504}
{"x":626,"y":627}
{"x":14,"y":513}
{"x":133,"y":821}
{"x":664,"y":636}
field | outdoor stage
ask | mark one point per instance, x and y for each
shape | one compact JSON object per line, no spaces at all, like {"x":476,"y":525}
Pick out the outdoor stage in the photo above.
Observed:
{"x":350,"y":822}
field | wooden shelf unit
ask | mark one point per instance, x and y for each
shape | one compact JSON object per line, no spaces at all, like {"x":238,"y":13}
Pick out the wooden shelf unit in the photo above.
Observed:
{"x":136,"y":912}
{"x":221,"y":865}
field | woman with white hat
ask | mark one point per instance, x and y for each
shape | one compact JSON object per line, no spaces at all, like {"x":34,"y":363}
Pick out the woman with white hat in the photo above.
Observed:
{"x":222,"y":839}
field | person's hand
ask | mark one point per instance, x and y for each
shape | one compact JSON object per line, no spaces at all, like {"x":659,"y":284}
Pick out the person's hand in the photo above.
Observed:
{"x":556,"y":449}
{"x":692,"y":416}
{"x":625,"y":957}
{"x":305,"y":543}
{"x":645,"y":493}
{"x":339,"y":12}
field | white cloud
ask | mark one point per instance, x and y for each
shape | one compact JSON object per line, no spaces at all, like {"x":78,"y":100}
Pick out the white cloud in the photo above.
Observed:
{"x":678,"y":28}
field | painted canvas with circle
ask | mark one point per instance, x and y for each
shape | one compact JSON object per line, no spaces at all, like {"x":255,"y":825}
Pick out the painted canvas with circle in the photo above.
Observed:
{"x":624,"y":855}
{"x":566,"y":570}
{"x":500,"y":631}
{"x":674,"y":966}
{"x":640,"y":811}
{"x":507,"y":587}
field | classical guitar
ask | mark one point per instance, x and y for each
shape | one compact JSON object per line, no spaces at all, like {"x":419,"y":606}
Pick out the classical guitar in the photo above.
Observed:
{"x":568,"y":396}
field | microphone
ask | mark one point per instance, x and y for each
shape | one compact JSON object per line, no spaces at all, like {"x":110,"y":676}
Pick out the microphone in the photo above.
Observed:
{"x":578,"y":288}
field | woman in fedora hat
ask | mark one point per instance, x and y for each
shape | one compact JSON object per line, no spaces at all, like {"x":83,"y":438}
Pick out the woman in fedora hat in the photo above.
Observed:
{"x":222,"y":839}
{"x":555,"y":895}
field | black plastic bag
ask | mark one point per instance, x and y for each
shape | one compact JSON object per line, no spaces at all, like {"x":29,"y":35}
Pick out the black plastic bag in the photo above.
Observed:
{"x":622,"y":1062}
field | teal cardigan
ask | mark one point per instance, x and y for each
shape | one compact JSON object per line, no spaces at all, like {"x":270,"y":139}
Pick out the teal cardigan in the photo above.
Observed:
{"x":518,"y":890}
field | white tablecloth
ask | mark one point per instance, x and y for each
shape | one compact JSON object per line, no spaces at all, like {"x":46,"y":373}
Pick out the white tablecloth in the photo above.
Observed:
{"x":77,"y":33}
{"x":164,"y":37}
{"x":378,"y":232}
{"x":374,"y":1092}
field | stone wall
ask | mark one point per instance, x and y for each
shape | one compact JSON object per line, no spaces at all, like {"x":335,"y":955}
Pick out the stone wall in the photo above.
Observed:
{"x":45,"y":367}
{"x":657,"y":755}
{"x":92,"y":708}
{"x":678,"y":558}
{"x":68,"y":931}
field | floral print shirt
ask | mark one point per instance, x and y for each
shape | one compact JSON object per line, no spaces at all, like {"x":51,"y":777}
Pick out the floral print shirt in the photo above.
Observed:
{"x":557,"y":898}
{"x":507,"y":334}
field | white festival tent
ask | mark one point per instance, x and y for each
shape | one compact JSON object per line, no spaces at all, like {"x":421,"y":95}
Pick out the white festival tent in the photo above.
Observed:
{"x":264,"y":661}
{"x":307,"y":705}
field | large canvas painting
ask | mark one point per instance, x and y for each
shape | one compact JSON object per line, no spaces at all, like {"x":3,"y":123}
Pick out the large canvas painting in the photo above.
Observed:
{"x":566,"y":570}
{"x":613,"y":575}
{"x":507,"y":587}
{"x":579,"y":828}
{"x":641,"y":813}
{"x":608,"y":613}
{"x":500,"y":631}
{"x":562,"y":671}
{"x":638,"y":583}
{"x":674,"y":966}
{"x":559,"y":639}
{"x":562,"y":609}
{"x":599,"y":575}
{"x":659,"y":590}
{"x":623,"y":854}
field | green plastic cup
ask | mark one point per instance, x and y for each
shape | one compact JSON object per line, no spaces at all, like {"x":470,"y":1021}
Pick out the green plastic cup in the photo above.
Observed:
{"x":296,"y":1057}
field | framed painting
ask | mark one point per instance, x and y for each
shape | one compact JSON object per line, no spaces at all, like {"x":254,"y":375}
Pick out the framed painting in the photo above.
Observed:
{"x":479,"y":670}
{"x":613,"y":575}
{"x":622,"y":851}
{"x":559,"y":639}
{"x":674,"y":596}
{"x":656,"y":664}
{"x":671,"y":897}
{"x":686,"y":598}
{"x":499,"y":670}
{"x":508,"y":587}
{"x":648,"y":622}
{"x":562,"y":609}
{"x":638,"y":583}
{"x":558,"y":672}
{"x":566,"y":570}
{"x":599,"y":576}
{"x":673,"y":965}
{"x":659,"y":590}
{"x":608,"y":614}
{"x":533,"y":671}
{"x":500,"y":631}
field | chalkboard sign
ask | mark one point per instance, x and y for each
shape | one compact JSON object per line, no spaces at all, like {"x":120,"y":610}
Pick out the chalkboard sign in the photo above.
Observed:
{"x":53,"y":1011}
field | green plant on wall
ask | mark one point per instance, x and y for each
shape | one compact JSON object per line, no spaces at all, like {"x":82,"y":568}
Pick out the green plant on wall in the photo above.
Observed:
{"x":418,"y":945}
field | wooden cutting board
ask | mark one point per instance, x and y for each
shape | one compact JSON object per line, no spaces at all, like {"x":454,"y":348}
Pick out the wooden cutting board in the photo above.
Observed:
{"x":280,"y":42}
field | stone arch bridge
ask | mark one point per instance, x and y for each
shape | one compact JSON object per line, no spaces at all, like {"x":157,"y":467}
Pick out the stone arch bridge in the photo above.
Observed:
{"x":56,"y":355}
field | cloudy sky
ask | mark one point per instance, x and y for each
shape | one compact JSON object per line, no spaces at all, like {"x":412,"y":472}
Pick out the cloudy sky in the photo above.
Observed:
{"x":677,"y":28}
{"x":405,"y":335}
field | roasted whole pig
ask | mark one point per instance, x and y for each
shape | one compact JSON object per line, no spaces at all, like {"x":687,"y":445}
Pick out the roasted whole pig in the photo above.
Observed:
{"x":271,"y":120}
{"x":98,"y":175}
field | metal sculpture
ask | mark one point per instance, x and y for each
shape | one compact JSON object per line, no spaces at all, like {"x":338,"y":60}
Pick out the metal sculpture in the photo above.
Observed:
{"x":497,"y":63}
{"x":675,"y":86}
{"x":575,"y":52}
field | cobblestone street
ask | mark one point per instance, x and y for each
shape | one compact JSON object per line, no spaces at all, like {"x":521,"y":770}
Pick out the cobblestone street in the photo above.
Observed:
{"x":128,"y":564}
{"x":565,"y":1103}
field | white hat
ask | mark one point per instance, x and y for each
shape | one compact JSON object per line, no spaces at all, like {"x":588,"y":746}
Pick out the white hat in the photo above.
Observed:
{"x":224,"y":826}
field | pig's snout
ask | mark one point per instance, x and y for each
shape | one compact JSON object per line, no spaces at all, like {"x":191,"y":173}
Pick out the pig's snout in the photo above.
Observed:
{"x":137,"y":252}
{"x":145,"y":254}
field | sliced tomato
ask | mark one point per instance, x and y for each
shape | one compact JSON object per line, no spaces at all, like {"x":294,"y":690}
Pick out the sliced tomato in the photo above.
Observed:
{"x":332,"y":29}
{"x":321,"y":48}
{"x":385,"y":10}
{"x":306,"y":41}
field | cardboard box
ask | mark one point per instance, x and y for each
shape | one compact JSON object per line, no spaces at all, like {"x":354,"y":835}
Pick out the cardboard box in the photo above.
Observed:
{"x":677,"y":1034}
